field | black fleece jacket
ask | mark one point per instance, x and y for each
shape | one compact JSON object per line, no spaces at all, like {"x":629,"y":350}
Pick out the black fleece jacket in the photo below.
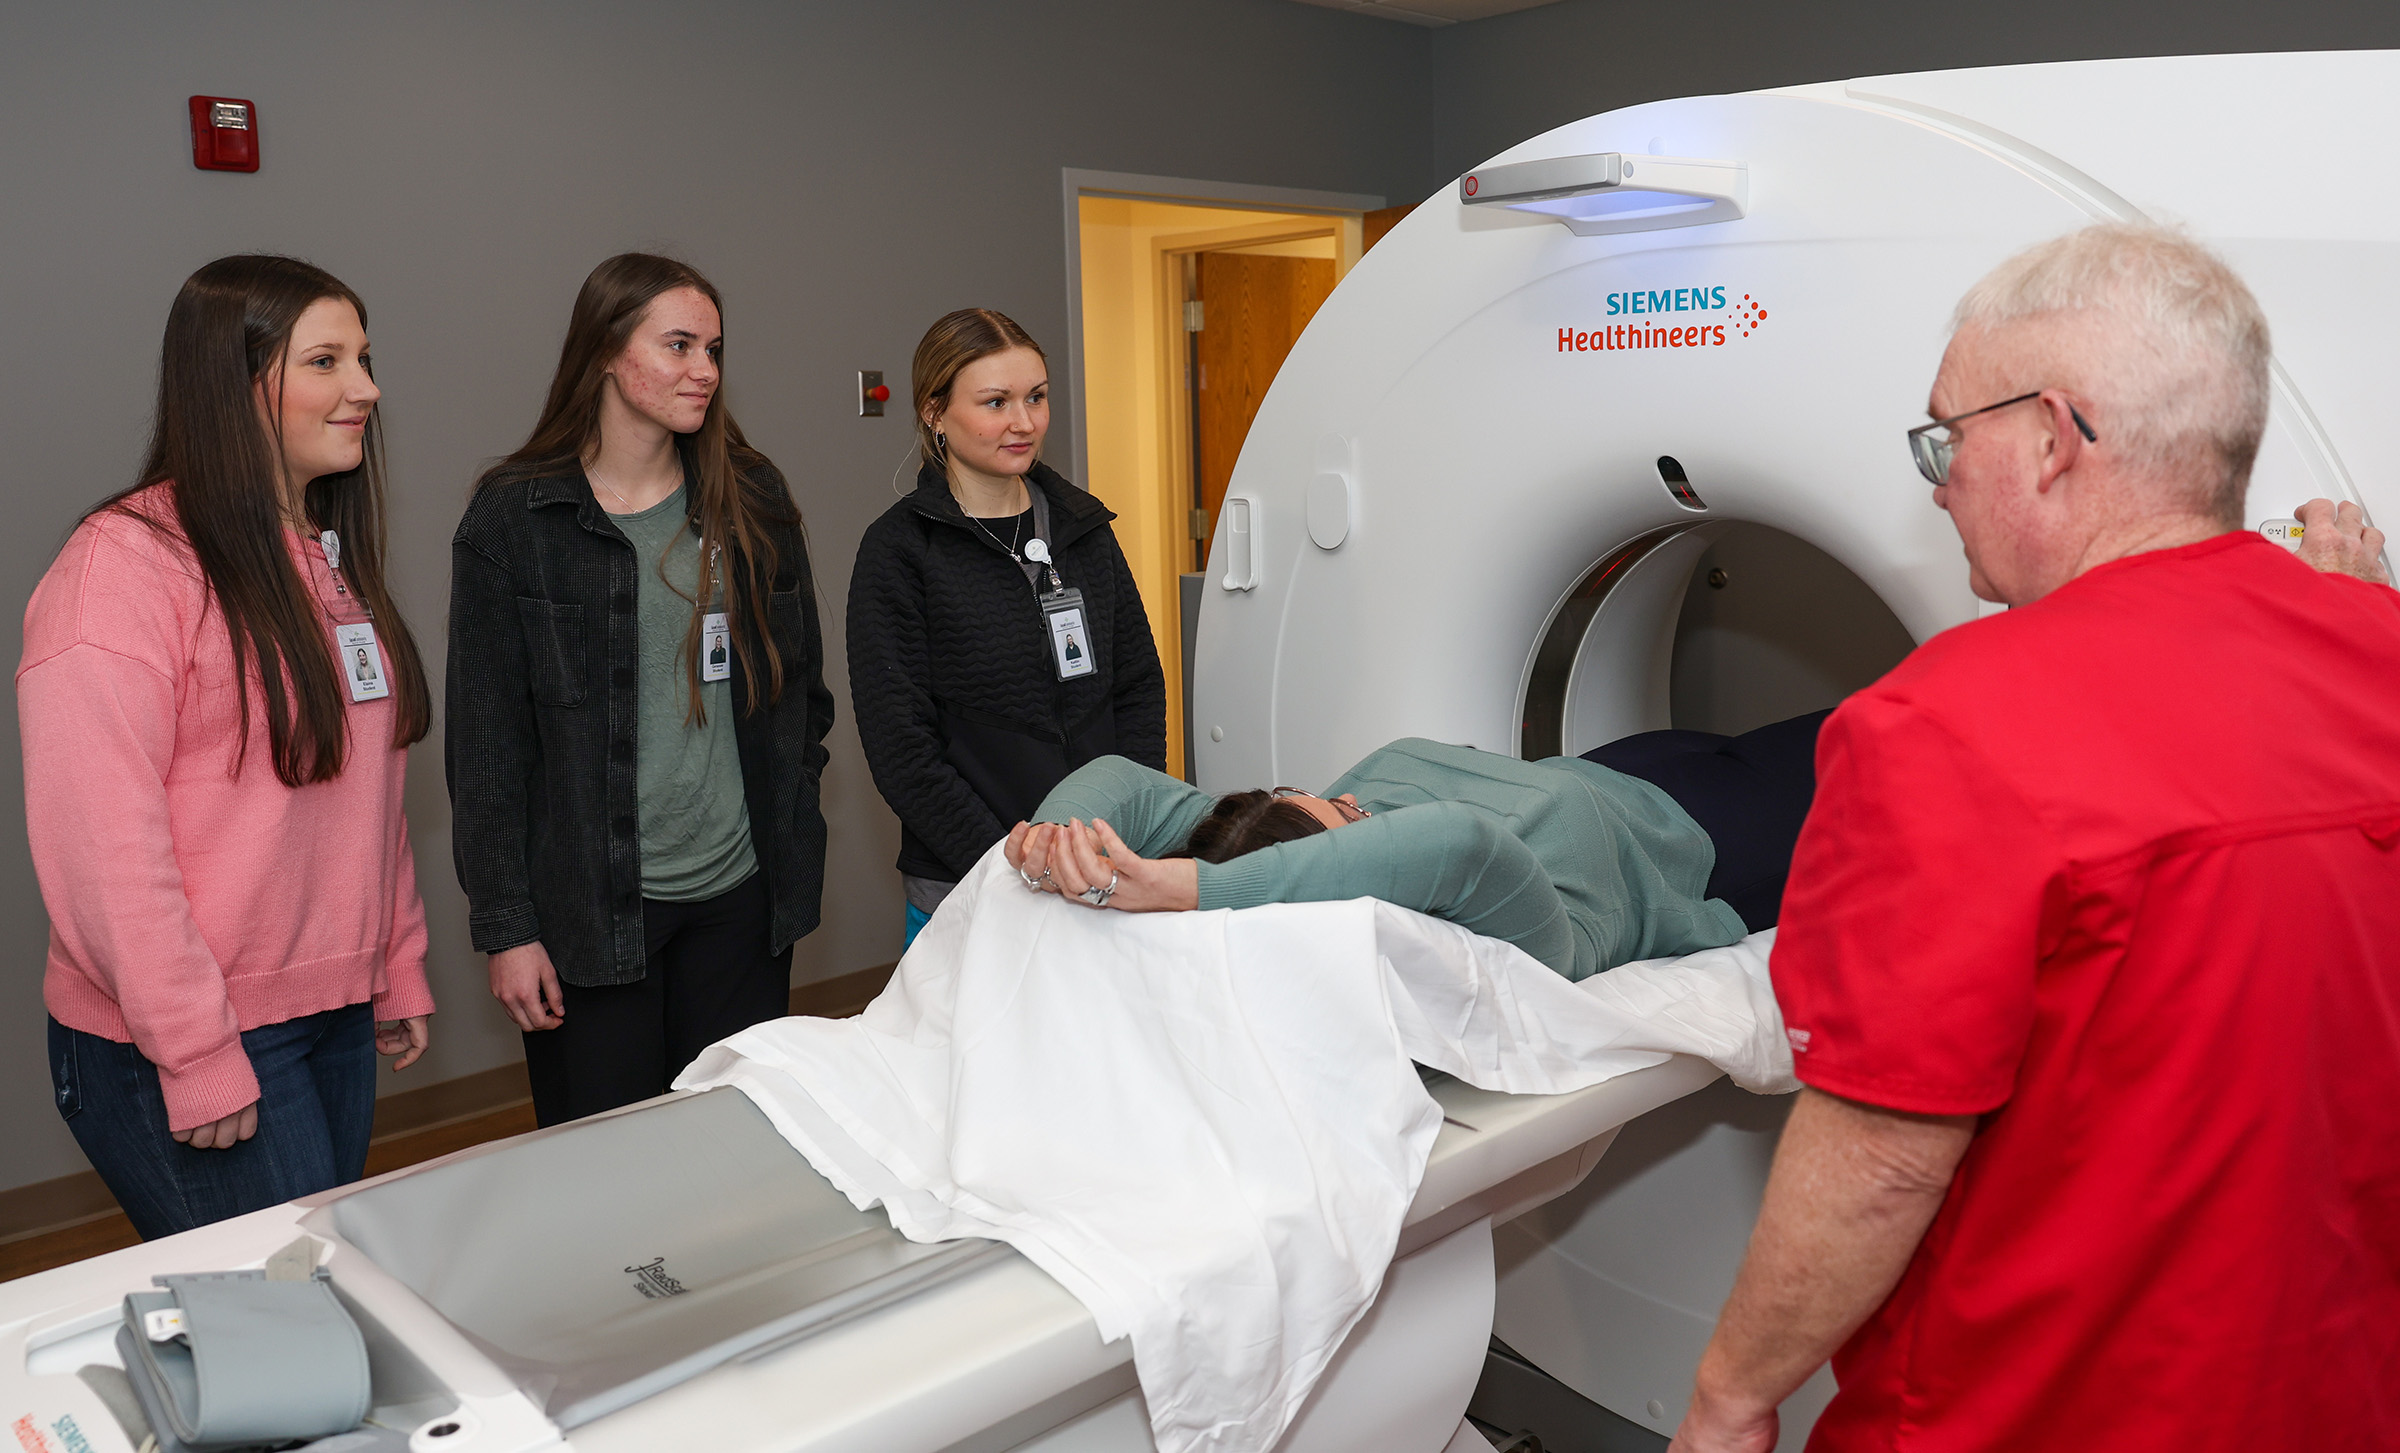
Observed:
{"x":965,"y":722}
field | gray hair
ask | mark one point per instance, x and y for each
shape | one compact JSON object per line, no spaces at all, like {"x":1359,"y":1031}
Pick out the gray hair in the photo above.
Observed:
{"x":2181,"y":376}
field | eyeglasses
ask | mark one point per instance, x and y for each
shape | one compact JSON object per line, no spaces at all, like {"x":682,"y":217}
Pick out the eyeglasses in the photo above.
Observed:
{"x":1933,"y":455}
{"x":1351,"y":812}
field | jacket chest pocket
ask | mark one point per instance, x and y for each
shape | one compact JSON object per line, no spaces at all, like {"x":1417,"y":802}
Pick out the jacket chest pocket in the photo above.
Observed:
{"x":554,"y":664}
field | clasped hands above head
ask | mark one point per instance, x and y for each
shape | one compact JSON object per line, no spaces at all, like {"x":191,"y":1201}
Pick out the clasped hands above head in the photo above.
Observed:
{"x":1090,"y":863}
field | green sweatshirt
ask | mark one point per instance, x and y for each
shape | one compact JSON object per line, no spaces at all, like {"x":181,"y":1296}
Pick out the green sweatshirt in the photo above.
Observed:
{"x":1581,"y":867}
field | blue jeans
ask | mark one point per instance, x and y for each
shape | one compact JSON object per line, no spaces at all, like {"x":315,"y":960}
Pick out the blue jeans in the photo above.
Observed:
{"x":316,"y":1110}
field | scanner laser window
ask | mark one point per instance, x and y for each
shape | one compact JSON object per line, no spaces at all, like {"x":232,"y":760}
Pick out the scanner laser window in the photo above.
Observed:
{"x":1679,"y":484}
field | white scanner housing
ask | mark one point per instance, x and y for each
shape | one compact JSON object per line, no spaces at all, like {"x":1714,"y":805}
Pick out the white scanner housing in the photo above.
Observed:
{"x":1440,"y":466}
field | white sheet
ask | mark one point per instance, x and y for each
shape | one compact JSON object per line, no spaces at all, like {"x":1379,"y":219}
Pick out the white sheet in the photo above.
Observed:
{"x":1206,"y":1125}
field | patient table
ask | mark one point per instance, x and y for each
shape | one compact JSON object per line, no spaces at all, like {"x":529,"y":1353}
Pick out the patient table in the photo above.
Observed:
{"x":674,"y":1275}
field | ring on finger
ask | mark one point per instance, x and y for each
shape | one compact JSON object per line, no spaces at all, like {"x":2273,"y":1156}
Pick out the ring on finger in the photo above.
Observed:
{"x":1097,"y":895}
{"x":1034,"y":883}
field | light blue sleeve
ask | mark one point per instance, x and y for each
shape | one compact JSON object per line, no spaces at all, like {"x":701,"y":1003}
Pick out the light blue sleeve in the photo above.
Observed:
{"x":1153,"y":812}
{"x":1449,"y":859}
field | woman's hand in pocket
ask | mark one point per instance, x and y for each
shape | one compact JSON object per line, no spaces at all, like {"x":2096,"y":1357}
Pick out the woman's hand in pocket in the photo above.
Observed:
{"x":222,"y":1134}
{"x":527,"y":987}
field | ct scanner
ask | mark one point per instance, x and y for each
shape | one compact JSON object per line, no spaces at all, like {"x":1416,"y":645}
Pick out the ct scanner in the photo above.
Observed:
{"x":1469,"y":509}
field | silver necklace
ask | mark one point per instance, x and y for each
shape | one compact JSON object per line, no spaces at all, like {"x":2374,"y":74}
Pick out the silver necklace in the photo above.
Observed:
{"x":1013,"y":535}
{"x":594,"y":477}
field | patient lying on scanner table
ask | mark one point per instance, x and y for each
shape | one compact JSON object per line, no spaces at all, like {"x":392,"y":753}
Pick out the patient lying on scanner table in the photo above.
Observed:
{"x":1659,"y":844}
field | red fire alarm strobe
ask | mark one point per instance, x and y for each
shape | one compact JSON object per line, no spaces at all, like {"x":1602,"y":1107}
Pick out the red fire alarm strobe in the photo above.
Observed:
{"x":224,"y":134}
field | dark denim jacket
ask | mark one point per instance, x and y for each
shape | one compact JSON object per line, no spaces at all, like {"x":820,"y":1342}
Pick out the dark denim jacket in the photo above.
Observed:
{"x":539,"y":732}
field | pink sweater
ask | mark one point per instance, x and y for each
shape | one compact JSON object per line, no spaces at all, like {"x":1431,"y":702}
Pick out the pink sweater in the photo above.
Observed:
{"x":187,"y":902}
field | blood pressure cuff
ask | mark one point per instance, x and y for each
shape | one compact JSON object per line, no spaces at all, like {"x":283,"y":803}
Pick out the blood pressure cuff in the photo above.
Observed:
{"x":253,"y":1362}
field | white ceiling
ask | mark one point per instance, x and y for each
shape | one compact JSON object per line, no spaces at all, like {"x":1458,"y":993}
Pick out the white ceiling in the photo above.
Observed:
{"x":1429,"y":12}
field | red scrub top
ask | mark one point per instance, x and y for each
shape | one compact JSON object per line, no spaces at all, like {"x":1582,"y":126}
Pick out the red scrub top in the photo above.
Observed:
{"x":2119,"y":871}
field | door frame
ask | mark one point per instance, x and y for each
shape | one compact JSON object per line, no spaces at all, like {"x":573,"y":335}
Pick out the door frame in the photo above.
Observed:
{"x":1171,"y":255}
{"x":1076,"y":183}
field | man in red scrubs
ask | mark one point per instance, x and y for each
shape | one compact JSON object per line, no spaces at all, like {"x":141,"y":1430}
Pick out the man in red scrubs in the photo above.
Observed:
{"x":2090,"y":957}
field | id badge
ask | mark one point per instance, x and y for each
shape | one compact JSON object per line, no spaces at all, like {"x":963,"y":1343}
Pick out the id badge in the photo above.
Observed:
{"x":716,"y":647}
{"x":362,"y":661}
{"x":1070,"y":638}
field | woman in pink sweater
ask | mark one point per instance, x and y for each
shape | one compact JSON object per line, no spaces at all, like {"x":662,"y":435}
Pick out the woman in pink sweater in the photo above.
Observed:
{"x":212,"y":782}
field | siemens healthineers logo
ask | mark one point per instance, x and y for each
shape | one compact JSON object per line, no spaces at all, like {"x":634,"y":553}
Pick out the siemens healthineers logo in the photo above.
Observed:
{"x":1734,"y":317}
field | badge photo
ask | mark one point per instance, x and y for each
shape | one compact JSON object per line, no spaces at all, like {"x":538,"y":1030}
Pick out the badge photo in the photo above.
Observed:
{"x":1070,"y":642}
{"x":361,"y":661}
{"x":716,"y":647}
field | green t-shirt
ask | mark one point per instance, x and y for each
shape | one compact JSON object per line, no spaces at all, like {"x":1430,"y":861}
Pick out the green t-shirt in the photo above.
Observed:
{"x":688,"y":775}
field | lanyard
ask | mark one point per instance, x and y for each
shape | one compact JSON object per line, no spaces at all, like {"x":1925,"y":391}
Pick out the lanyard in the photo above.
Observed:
{"x":356,"y":650}
{"x":332,"y":541}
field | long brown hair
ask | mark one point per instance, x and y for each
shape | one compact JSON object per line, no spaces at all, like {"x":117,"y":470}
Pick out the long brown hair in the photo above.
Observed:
{"x":226,"y":334}
{"x":954,"y":341}
{"x":738,"y":494}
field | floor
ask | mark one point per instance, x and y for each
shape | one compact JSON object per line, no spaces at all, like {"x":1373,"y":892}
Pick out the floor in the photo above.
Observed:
{"x":29,"y":1254}
{"x":1521,"y":1409}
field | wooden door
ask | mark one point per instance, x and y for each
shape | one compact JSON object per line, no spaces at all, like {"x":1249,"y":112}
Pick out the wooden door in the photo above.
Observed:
{"x":1373,"y":226}
{"x":1252,"y":311}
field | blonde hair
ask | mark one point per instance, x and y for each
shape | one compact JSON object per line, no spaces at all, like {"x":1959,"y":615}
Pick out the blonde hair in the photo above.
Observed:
{"x":2183,"y":393}
{"x":954,"y":341}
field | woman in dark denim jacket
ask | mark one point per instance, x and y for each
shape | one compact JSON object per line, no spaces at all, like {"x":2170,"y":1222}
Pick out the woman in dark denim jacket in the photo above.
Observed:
{"x":637,"y":707}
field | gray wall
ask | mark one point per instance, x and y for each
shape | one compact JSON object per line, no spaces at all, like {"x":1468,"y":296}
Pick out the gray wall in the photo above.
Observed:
{"x":846,"y":173}
{"x":1501,"y":80}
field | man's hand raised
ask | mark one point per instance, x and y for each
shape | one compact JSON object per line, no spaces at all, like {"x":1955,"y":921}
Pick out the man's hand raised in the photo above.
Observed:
{"x":2338,"y":540}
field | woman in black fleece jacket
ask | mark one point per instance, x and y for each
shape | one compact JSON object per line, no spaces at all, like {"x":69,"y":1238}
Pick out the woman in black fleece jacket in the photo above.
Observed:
{"x":955,"y":671}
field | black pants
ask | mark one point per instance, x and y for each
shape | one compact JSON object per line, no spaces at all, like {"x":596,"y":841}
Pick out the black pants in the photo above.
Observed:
{"x":1748,"y":793}
{"x":708,"y":975}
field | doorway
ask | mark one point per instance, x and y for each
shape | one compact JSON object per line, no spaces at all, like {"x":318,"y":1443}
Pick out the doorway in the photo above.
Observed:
{"x":1247,"y":306}
{"x":1186,"y":307}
